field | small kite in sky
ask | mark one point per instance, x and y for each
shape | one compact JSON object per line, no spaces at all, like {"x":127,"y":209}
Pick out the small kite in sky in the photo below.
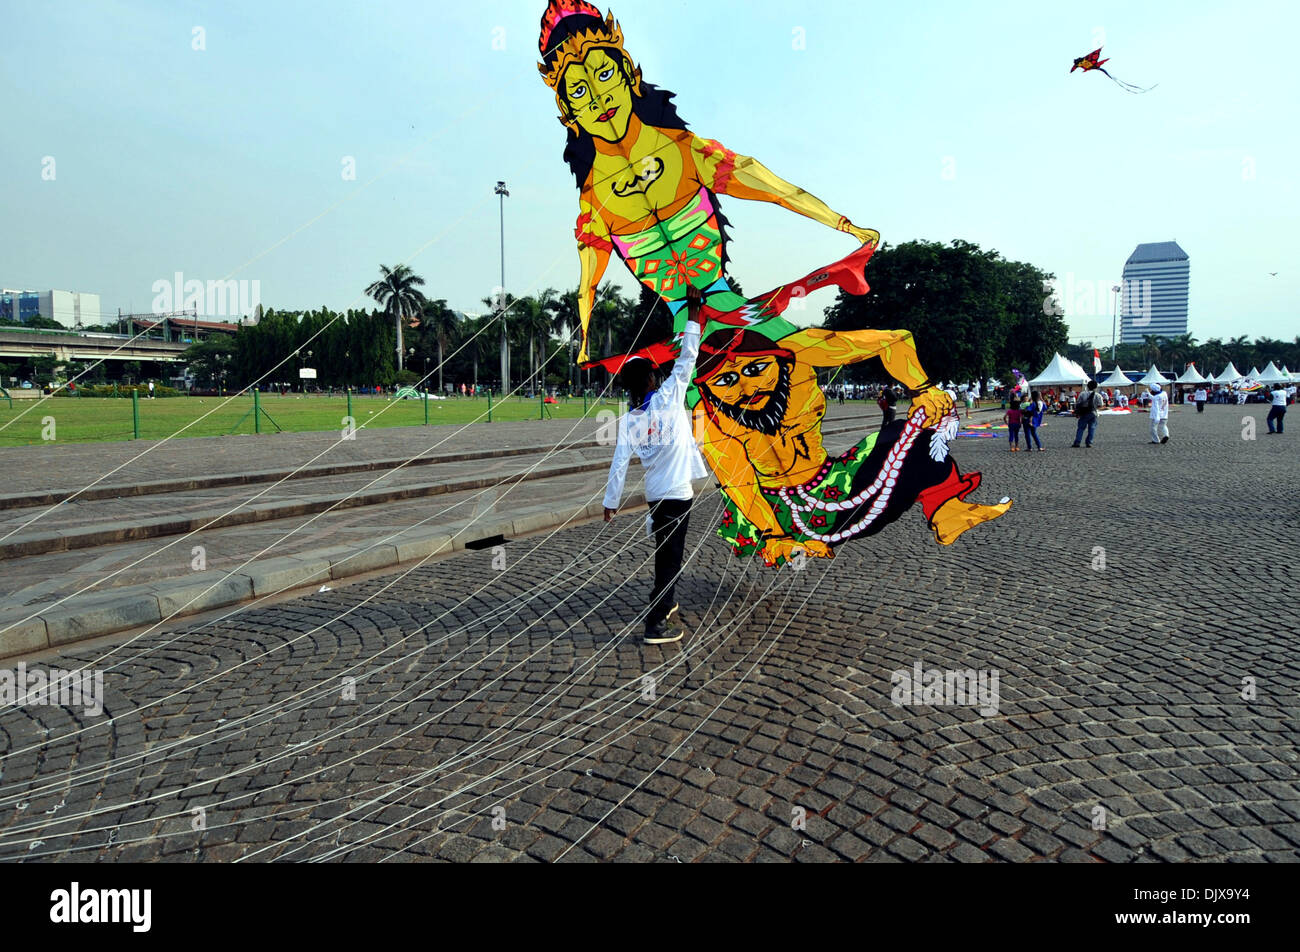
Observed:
{"x":1094,"y":61}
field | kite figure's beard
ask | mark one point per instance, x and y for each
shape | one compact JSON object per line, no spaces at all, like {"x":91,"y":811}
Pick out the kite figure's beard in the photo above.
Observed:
{"x":767,"y":420}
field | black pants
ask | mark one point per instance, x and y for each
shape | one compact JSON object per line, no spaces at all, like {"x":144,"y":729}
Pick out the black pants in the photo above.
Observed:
{"x":1200,"y":406}
{"x":888,"y":417}
{"x":669,"y":518}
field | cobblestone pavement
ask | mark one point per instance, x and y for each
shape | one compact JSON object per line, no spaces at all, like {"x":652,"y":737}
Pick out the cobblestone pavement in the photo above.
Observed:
{"x":509,"y":711}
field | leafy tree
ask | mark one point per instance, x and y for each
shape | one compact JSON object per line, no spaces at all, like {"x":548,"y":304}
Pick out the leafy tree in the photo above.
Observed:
{"x":973,"y":313}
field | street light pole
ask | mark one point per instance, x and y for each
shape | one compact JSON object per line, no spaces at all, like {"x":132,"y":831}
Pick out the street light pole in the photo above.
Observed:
{"x":503,"y":194}
{"x":1114,"y":316}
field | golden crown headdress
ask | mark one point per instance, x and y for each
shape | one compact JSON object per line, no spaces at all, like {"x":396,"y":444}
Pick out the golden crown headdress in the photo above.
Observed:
{"x":561,"y":54}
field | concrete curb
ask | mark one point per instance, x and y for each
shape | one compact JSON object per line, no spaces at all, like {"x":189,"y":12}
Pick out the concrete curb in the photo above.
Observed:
{"x":24,"y":500}
{"x":63,"y":540}
{"x":39,"y":627}
{"x":113,"y":533}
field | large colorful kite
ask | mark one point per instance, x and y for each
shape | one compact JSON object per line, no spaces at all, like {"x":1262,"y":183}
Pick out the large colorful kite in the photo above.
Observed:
{"x":648,"y":193}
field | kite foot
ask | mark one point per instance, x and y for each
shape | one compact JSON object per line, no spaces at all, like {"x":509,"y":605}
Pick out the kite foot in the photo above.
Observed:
{"x":956,"y":516}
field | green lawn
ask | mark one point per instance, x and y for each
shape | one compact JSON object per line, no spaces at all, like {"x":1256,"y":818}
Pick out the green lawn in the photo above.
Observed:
{"x":90,"y":420}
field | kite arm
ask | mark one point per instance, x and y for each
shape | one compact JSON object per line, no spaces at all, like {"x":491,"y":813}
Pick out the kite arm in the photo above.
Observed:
{"x":819,"y":347}
{"x":742,"y":176}
{"x":594,"y":248}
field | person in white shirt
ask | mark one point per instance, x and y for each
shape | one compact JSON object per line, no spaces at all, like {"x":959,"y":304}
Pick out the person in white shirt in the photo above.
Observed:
{"x":658,"y":430}
{"x":1277,"y":412}
{"x":1159,"y":415}
{"x":1200,"y":396}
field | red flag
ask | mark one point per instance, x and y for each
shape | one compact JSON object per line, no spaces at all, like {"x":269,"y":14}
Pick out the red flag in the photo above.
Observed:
{"x":1096,"y":361}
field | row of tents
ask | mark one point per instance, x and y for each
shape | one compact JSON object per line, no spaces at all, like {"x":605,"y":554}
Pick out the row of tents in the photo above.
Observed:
{"x":1063,"y":372}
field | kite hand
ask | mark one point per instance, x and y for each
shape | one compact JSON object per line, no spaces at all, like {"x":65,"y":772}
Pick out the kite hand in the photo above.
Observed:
{"x":868,"y":236}
{"x":774,"y":550}
{"x":936,"y":404}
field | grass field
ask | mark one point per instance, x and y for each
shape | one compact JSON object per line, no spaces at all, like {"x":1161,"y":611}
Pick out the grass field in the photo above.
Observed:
{"x":91,"y":420}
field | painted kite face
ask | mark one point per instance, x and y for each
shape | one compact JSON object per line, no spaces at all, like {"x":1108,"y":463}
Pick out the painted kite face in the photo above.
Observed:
{"x":599,"y":95}
{"x":746,"y":382}
{"x":754,"y":391}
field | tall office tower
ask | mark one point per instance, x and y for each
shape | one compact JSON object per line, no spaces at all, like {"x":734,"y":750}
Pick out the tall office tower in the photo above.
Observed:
{"x":1153,"y":300}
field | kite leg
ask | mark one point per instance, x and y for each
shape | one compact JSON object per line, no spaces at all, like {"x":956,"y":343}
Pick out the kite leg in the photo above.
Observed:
{"x":937,"y":484}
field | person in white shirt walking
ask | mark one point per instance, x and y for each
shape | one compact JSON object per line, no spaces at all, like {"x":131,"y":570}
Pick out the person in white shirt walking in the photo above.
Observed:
{"x":658,"y":430}
{"x":1159,"y":415}
{"x":1277,"y":412}
{"x":1200,"y":396}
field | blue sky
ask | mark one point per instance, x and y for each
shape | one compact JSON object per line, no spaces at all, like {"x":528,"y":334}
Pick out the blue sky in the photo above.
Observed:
{"x":923,"y":120}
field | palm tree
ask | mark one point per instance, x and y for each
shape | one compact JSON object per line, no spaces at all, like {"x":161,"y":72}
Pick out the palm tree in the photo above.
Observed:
{"x":564,"y":322}
{"x":605,"y":314}
{"x":441,"y":322}
{"x":396,"y":293}
{"x":1151,"y":347}
{"x":1180,"y":349}
{"x":1239,"y":351}
{"x":544,"y":323}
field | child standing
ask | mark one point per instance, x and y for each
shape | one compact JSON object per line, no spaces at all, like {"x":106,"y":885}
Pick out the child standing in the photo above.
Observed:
{"x":1012,"y":419}
{"x":1031,"y":418}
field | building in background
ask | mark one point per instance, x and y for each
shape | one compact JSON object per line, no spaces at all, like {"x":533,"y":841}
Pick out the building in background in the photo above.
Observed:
{"x":1153,"y":299}
{"x":70,"y":308}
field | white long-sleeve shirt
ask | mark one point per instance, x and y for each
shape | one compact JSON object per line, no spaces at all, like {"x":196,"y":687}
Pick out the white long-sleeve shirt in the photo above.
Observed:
{"x":1160,"y":406}
{"x":661,"y":436}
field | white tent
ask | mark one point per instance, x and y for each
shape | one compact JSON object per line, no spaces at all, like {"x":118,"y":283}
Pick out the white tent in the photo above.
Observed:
{"x":1153,"y":376}
{"x":1060,"y":372}
{"x":1190,"y":375}
{"x":1253,"y":375}
{"x":1272,"y":375}
{"x":1229,"y":375}
{"x":1116,"y":378}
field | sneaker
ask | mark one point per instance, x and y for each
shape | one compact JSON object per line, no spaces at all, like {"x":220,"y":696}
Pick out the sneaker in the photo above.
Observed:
{"x":663,"y":634}
{"x":1088,"y":445}
{"x":1075,"y":446}
{"x":1164,"y":439}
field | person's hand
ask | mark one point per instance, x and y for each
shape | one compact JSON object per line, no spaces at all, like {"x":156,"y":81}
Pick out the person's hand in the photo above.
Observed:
{"x":610,"y":513}
{"x":694,"y":304}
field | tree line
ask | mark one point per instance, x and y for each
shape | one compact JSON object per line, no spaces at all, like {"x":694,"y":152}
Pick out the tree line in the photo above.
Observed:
{"x":973,"y":313}
{"x":1175,"y":353}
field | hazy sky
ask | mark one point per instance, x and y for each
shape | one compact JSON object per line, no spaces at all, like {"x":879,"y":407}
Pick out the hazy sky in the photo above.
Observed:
{"x":923,"y":120}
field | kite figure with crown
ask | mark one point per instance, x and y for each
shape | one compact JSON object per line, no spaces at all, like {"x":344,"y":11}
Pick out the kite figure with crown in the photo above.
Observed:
{"x":648,"y":193}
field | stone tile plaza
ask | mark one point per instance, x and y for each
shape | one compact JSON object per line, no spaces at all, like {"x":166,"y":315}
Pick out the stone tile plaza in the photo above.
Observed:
{"x":1142,"y":704}
{"x":543,"y":432}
